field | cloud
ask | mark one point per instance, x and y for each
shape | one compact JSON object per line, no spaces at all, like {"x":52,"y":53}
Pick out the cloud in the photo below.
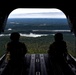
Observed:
{"x":37,"y":14}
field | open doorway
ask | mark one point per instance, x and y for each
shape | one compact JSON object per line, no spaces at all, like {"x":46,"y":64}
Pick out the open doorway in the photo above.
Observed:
{"x":37,"y":27}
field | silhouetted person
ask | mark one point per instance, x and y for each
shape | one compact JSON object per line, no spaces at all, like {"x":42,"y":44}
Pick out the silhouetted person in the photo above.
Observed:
{"x":57,"y":54}
{"x":17,"y":49}
{"x":58,"y":49}
{"x":17,"y":52}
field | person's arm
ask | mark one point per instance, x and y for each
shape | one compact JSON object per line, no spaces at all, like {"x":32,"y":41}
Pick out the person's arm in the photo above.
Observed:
{"x":65,"y":52}
{"x":51,"y":49}
{"x":7,"y":54}
{"x":25,"y":48}
{"x":7,"y":48}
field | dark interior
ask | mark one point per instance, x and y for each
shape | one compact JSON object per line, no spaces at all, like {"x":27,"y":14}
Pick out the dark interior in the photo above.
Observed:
{"x":67,"y":7}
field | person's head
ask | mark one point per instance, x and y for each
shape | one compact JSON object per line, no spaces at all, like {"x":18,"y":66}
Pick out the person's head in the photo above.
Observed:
{"x":15,"y":36}
{"x":58,"y":37}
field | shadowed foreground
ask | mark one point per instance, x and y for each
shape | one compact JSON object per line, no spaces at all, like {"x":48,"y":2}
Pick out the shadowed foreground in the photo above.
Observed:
{"x":39,"y":64}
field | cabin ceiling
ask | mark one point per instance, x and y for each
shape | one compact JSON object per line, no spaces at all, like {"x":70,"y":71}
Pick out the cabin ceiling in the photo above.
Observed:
{"x":68,"y":8}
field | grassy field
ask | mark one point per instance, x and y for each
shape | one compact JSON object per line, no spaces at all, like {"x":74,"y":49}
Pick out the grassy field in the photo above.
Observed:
{"x":39,"y":44}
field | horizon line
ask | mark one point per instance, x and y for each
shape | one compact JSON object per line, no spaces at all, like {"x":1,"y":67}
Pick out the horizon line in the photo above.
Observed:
{"x":38,"y":18}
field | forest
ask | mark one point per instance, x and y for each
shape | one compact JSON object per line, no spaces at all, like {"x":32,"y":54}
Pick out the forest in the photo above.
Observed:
{"x":39,"y":44}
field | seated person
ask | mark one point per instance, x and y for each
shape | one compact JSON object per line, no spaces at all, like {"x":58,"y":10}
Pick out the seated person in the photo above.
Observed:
{"x":58,"y":49}
{"x":58,"y":56}
{"x":17,"y":51}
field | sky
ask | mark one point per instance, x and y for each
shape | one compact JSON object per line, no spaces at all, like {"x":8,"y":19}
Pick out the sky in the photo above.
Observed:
{"x":37,"y":13}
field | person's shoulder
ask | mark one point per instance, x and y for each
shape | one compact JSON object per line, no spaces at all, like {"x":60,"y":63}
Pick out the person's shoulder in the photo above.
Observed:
{"x":64,"y":42}
{"x":52,"y":45}
{"x":8,"y":43}
{"x":22,"y":43}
